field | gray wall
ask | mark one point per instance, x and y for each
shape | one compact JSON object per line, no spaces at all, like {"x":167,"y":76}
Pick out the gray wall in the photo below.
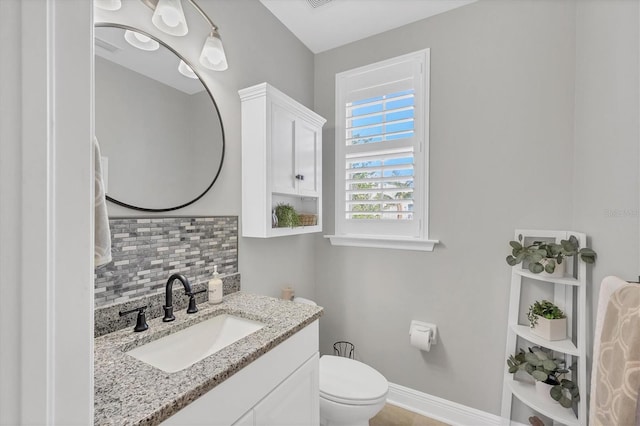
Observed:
{"x":607,"y":135}
{"x":258,"y":49}
{"x":505,"y":82}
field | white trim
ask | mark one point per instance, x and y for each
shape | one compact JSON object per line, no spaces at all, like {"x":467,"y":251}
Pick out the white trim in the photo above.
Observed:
{"x":443,"y":410}
{"x":73,"y":210}
{"x":10,"y":211}
{"x":46,"y":327}
{"x":264,"y":89}
{"x":367,"y":81}
{"x":37,"y":234}
{"x":382,"y":242}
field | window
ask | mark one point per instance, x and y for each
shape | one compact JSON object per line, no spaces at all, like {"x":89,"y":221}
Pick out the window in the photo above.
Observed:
{"x":382,"y":154}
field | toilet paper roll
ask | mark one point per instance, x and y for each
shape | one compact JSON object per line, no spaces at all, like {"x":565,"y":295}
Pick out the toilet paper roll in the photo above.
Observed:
{"x":421,"y":339}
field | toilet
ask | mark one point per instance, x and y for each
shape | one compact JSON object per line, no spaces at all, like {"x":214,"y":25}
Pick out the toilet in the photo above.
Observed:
{"x":351,"y":392}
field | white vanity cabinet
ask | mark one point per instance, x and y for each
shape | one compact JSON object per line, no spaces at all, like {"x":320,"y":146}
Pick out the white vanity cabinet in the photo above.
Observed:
{"x":281,"y":160}
{"x":292,"y":402}
{"x":279,"y":388}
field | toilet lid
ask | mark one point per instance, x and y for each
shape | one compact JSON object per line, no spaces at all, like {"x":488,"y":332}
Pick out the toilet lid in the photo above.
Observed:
{"x":349,"y":381}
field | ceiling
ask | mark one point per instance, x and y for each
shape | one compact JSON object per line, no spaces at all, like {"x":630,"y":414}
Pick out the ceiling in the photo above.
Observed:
{"x":335,"y":23}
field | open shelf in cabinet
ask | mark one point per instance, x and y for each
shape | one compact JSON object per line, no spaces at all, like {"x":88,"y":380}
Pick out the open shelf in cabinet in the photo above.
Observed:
{"x":302,"y":205}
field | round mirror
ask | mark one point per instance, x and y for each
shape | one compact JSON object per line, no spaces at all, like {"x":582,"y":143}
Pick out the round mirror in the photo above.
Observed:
{"x":159,"y":128}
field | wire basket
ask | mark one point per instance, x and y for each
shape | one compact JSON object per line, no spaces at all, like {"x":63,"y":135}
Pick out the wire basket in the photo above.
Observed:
{"x":345,"y":349}
{"x":307,"y":219}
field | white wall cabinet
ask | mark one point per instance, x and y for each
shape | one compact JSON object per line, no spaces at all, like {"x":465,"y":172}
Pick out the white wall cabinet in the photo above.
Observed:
{"x":569,"y":294}
{"x":279,"y":388}
{"x":281,"y":160}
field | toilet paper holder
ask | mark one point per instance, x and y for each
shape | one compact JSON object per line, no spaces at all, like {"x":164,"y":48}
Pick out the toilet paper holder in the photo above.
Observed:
{"x":419,"y":326}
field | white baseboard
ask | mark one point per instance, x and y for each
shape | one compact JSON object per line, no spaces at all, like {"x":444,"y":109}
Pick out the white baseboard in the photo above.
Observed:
{"x":440,"y":409}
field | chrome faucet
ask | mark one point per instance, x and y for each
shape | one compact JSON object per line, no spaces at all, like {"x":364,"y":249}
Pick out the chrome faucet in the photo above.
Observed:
{"x":168,"y":304}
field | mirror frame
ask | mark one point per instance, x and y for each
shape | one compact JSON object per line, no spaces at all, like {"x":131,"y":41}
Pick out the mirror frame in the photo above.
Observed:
{"x":215,"y":178}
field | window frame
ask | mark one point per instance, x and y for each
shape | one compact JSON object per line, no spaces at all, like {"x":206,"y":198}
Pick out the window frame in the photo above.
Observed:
{"x":411,"y":235}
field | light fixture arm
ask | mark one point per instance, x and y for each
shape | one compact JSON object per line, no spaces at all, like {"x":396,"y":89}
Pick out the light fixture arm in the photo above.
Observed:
{"x":214,"y":27}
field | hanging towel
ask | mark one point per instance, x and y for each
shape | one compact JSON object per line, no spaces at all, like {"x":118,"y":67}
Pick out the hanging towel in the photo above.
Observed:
{"x":608,"y":286}
{"x":102,"y":251}
{"x":616,"y":373}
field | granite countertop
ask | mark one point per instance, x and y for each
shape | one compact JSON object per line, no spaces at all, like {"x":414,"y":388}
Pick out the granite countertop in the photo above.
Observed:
{"x":131,"y":392}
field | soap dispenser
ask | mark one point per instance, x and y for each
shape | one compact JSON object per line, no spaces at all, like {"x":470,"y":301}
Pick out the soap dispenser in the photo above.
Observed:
{"x":215,"y":287}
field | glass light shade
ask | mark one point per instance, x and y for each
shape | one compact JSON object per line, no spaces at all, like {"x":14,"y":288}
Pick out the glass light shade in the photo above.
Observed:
{"x":212,"y":55}
{"x":169,"y":17}
{"x":186,"y":70}
{"x":108,"y":4}
{"x":140,"y":41}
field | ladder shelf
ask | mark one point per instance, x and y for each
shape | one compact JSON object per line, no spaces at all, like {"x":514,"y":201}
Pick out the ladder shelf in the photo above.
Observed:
{"x":569,"y":294}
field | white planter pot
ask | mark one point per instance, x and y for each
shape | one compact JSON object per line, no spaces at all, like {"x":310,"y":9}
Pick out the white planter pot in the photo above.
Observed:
{"x":558,"y":272}
{"x":555,"y":329}
{"x":543,"y":389}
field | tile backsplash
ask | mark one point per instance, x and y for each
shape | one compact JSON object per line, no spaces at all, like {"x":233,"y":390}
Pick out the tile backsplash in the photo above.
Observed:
{"x":147,"y":250}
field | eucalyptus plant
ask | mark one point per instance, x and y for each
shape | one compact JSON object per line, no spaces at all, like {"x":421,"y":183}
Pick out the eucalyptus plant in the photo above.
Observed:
{"x":544,"y":309}
{"x":540,"y":364}
{"x":544,"y":256}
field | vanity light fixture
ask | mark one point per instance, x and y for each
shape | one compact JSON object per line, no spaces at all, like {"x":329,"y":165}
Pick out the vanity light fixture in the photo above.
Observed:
{"x":186,"y":70}
{"x":108,"y":4}
{"x":168,"y":17}
{"x":140,"y":41}
{"x":212,"y":55}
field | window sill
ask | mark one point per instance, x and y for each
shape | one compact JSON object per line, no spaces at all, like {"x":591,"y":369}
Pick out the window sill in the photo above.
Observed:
{"x":397,"y":243}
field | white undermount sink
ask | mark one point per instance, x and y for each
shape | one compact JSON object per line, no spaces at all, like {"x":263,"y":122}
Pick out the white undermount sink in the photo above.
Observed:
{"x":184,"y":348}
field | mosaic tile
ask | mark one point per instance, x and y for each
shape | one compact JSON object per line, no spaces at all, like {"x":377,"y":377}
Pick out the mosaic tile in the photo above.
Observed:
{"x":190,"y":246}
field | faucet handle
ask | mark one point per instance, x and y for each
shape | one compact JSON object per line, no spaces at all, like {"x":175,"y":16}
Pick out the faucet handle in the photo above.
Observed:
{"x":192,"y":309}
{"x":141,"y":321}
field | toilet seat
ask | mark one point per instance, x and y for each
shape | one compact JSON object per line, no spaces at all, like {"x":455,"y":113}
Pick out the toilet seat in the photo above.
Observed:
{"x":347,"y":381}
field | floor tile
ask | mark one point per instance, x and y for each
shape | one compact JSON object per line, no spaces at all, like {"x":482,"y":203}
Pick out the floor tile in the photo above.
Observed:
{"x":392,"y":415}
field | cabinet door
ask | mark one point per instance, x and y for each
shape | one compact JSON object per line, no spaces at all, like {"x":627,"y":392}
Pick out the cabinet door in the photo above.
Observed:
{"x":283,"y":133}
{"x":295,"y":402}
{"x":308,"y":160}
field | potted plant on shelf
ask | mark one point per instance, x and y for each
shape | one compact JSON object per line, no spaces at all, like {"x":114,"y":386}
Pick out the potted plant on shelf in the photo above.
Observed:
{"x":287,"y":216}
{"x":548,"y":373}
{"x":548,"y":257}
{"x":547,"y":320}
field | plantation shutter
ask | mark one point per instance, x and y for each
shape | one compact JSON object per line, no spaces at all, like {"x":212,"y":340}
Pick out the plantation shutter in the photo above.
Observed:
{"x":380,"y":165}
{"x":379,"y":177}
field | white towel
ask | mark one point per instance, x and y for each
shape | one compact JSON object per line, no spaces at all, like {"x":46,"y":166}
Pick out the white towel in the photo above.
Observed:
{"x":608,"y":286}
{"x":102,"y":243}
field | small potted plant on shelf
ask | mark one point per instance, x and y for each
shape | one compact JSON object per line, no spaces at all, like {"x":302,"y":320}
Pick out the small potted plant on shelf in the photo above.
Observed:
{"x":286,"y":215}
{"x":548,"y":257}
{"x":548,"y":373}
{"x":547,"y":320}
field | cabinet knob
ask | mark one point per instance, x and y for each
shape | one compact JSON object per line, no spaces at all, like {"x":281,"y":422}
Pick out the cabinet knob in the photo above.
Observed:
{"x":300,"y":177}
